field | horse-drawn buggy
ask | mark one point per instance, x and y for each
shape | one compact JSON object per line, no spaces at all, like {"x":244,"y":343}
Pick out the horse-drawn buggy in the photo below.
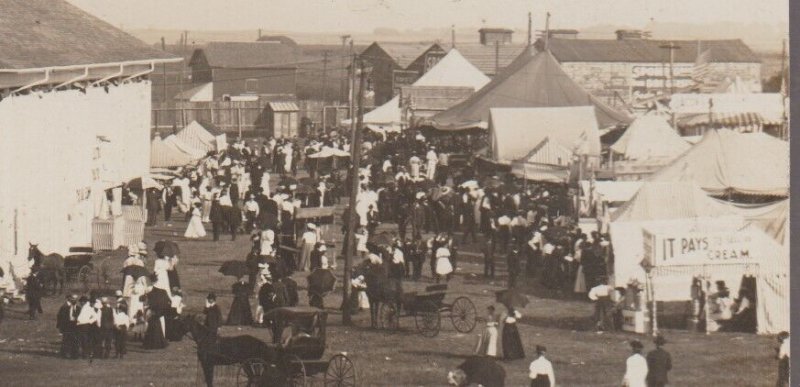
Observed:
{"x":81,"y":267}
{"x":293,"y":357}
{"x":427,"y":309}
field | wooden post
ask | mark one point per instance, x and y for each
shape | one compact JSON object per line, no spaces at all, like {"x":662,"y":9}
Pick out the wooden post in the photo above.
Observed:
{"x":325,"y":78}
{"x":164,"y":68}
{"x":211,"y":110}
{"x":239,"y":120}
{"x":351,"y":218}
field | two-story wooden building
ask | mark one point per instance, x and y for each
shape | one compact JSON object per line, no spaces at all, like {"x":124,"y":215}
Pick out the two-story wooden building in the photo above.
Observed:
{"x":246,"y":68}
{"x":395,"y":65}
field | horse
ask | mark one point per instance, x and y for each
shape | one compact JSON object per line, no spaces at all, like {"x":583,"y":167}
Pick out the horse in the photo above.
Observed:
{"x":213,"y":350}
{"x":380,"y":289}
{"x":51,"y":267}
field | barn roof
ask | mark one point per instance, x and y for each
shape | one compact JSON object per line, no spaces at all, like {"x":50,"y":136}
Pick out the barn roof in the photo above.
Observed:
{"x":485,"y":58}
{"x":53,"y":33}
{"x":648,"y":51}
{"x":239,"y":55}
{"x":402,"y":53}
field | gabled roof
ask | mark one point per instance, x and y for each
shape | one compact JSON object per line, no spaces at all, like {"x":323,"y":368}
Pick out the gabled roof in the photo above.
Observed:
{"x":647,"y":51}
{"x":164,"y":155}
{"x":483,"y":57}
{"x":670,"y":200}
{"x":532,"y":80}
{"x":51,"y":33}
{"x":403,"y":54}
{"x":242,"y":55}
{"x":283,"y":106}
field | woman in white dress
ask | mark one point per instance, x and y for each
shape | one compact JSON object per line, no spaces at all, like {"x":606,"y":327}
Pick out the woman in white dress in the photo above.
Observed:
{"x":161,"y":267}
{"x":487,"y":341}
{"x":136,"y":305}
{"x":443,"y":265}
{"x":195,"y":228}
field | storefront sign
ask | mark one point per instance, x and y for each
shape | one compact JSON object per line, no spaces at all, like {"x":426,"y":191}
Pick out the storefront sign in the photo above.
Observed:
{"x":432,"y":58}
{"x":717,"y":247}
{"x":402,"y":78}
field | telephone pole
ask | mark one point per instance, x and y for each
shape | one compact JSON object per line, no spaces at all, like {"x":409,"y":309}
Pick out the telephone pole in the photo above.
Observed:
{"x":355,"y":155}
{"x":325,"y":78}
{"x":344,"y":81}
{"x":671,"y":47}
{"x":164,"y":69}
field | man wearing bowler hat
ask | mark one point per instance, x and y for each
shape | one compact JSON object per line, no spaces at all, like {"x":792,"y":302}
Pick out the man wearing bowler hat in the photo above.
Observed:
{"x":659,"y":363}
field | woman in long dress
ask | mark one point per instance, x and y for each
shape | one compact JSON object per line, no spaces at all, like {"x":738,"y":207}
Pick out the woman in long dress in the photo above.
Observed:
{"x":195,"y":229}
{"x":159,"y":305}
{"x":512,"y":344}
{"x":161,"y":267}
{"x":487,"y":341}
{"x":240,"y":313}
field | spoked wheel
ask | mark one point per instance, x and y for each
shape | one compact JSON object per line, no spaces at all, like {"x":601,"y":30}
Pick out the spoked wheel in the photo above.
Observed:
{"x":85,"y":276}
{"x":341,"y":372}
{"x":428,"y":319}
{"x":297,"y":372}
{"x":389,"y":316}
{"x":252,"y":373}
{"x":463,"y":315}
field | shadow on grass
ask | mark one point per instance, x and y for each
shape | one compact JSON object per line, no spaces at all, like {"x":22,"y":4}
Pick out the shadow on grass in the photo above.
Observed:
{"x":561,"y":323}
{"x":447,"y":355}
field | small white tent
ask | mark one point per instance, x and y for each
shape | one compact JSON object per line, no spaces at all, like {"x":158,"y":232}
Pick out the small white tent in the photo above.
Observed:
{"x":164,"y":156}
{"x":204,"y":136}
{"x":174,"y":142}
{"x":650,"y":137}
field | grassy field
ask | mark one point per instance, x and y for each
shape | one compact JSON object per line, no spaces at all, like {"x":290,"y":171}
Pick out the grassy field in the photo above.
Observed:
{"x":581,"y":357}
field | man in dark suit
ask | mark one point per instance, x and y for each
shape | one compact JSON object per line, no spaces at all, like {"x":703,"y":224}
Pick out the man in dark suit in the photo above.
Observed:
{"x":106,"y":331}
{"x":33,"y":293}
{"x":213,"y":314}
{"x":217,"y":218}
{"x":66,"y":324}
{"x":659,"y":363}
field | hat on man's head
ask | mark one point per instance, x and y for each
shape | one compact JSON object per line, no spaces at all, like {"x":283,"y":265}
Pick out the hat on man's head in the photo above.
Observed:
{"x":660,"y":340}
{"x":211,"y":297}
{"x":636,"y":345}
{"x":541,"y":349}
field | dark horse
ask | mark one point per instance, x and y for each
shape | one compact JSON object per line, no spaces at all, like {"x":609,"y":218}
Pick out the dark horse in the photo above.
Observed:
{"x":51,"y":267}
{"x":381,"y":290}
{"x":213,"y":350}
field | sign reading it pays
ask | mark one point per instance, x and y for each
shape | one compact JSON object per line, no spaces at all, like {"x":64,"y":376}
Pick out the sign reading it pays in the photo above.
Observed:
{"x":666,"y":249}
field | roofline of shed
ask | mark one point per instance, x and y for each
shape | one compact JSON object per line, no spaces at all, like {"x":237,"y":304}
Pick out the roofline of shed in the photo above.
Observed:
{"x":90,"y":66}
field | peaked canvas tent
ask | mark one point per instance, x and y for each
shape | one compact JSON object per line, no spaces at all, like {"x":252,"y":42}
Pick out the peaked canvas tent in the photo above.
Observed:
{"x":513,"y":132}
{"x":174,"y":142}
{"x":534,"y":79}
{"x":549,"y":161}
{"x":204,"y":136}
{"x":650,"y":137}
{"x":725,"y":162}
{"x":453,"y":70}
{"x":163,"y":155}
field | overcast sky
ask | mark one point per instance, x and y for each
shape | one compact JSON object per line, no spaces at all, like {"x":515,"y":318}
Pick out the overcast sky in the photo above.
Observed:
{"x":366,"y":15}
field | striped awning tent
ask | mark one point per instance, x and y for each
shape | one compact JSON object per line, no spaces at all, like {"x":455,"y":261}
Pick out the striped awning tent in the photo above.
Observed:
{"x":727,"y":120}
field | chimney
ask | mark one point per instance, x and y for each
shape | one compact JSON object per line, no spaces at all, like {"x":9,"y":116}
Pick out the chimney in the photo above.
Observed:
{"x":628,"y":34}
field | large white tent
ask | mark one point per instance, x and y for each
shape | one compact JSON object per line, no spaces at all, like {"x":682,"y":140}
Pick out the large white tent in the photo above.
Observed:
{"x":514,"y":132}
{"x":163,"y":155}
{"x":176,"y":143}
{"x":650,"y":137}
{"x":726,"y":162}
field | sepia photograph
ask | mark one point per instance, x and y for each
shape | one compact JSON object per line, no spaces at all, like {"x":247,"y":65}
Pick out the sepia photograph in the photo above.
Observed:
{"x":341,"y":193}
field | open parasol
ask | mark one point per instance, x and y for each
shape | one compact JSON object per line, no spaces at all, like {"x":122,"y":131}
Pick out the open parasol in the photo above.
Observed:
{"x":472,"y":184}
{"x":143,"y":183}
{"x":236,"y":269}
{"x":321,"y":281}
{"x":134,"y":271}
{"x":164,"y":248}
{"x":512,"y":298}
{"x":383,"y":238}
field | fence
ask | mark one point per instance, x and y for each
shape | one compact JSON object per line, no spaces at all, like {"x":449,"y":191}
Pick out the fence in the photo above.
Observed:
{"x":231,"y":116}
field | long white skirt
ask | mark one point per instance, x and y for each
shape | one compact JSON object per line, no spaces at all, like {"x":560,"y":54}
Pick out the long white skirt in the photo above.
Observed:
{"x":195,"y":228}
{"x":443,"y":266}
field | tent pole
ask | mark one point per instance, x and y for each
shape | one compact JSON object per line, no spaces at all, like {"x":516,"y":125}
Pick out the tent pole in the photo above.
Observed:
{"x":654,"y":307}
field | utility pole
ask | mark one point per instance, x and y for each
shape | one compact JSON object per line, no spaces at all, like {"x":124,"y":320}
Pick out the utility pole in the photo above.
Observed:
{"x":547,"y":32}
{"x":355,"y":155}
{"x":164,"y":68}
{"x":671,"y":47}
{"x":351,"y":92}
{"x":344,"y":81}
{"x":325,"y":78}
{"x":453,"y":36}
{"x":530,"y":25}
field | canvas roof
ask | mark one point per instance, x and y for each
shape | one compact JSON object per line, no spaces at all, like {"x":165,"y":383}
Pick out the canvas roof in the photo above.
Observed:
{"x":50,"y":33}
{"x":668,"y":200}
{"x":534,"y":79}
{"x":453,"y":70}
{"x":514,"y":132}
{"x":386,"y":114}
{"x":247,"y":55}
{"x":648,"y":137}
{"x":174,"y":142}
{"x":163,"y":155}
{"x":200,"y":135}
{"x":725,"y":161}
{"x":648,"y":50}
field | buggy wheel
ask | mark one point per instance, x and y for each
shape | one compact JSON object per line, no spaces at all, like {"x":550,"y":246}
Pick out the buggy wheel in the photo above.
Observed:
{"x":463,"y":315}
{"x":85,"y":276}
{"x":428,"y":319}
{"x":296,"y":376}
{"x":340,"y":372}
{"x":252,"y":373}
{"x":389,"y":317}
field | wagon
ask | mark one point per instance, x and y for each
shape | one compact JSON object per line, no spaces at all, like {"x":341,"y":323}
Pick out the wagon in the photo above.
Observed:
{"x":299,"y":354}
{"x":78,"y":267}
{"x":427,"y":308}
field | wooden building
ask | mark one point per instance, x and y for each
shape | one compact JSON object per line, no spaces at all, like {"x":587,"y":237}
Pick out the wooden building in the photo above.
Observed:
{"x":246,"y":68}
{"x":395,"y":65}
{"x":283,"y":119}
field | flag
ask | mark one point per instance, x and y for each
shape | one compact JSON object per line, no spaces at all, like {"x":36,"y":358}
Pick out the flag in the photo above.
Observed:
{"x":702,"y":68}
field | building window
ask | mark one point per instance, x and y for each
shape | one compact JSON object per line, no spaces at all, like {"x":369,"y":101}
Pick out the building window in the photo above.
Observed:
{"x":251,"y":85}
